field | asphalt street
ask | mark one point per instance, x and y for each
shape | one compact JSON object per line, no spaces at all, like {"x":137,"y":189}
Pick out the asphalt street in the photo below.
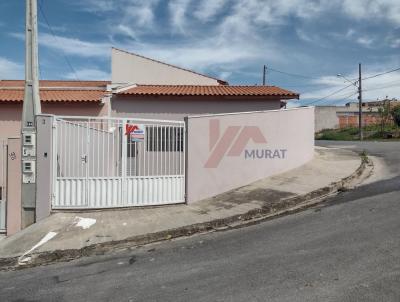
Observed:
{"x":345,"y":249}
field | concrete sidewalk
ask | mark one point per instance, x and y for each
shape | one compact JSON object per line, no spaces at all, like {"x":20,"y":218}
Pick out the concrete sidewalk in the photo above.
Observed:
{"x":64,"y":236}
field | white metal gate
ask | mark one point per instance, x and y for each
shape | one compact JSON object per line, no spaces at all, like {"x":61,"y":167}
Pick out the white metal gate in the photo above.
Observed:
{"x":104,"y":163}
{"x":3,"y":183}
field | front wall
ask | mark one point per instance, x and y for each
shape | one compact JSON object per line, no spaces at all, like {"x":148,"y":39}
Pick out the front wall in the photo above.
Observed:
{"x":10,"y":114}
{"x":177,"y":108}
{"x":291,"y":130}
{"x":14,"y":208}
{"x":10,"y":120}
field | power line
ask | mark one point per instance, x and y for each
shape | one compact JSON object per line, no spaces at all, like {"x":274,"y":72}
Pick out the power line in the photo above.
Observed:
{"x":331,"y":94}
{"x":292,"y":74}
{"x":56,"y":39}
{"x":380,"y":74}
{"x":337,"y":91}
{"x":382,"y":87}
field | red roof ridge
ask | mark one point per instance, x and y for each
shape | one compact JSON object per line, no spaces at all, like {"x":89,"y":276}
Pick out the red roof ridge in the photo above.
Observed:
{"x":95,"y":84}
{"x":222,"y":82}
{"x":55,"y":95}
{"x":210,"y":90}
{"x":200,"y":85}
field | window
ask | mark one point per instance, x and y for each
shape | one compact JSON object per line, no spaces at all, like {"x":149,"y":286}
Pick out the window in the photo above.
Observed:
{"x":132,"y":149}
{"x":164,"y":139}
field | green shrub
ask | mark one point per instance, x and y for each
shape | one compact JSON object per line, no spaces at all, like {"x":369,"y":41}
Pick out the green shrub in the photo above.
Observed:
{"x":396,"y":115}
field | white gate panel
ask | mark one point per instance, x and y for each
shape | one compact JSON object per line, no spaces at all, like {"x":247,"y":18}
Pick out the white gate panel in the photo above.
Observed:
{"x":107,"y":163}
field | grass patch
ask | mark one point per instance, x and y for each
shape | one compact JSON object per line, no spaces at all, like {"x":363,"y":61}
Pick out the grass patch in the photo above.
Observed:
{"x":371,"y":132}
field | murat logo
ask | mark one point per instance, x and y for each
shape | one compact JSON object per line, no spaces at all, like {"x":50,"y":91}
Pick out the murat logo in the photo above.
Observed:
{"x":234,"y":141}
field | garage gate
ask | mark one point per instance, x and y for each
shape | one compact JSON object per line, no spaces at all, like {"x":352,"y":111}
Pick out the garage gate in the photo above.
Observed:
{"x":106,"y":163}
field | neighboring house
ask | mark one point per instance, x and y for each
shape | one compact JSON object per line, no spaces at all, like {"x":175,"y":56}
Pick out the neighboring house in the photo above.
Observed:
{"x":85,"y":98}
{"x":131,"y":68}
{"x":332,"y":117}
{"x":148,"y":88}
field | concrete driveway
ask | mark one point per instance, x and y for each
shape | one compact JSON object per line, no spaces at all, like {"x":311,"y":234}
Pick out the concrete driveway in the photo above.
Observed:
{"x":346,"y":249}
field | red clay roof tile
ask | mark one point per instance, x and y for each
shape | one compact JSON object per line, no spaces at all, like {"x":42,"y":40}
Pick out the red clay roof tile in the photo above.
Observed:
{"x":17,"y":95}
{"x":55,"y":91}
{"x":199,"y":90}
{"x":55,"y":83}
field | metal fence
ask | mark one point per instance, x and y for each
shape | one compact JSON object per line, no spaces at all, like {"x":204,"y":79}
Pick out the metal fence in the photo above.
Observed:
{"x":103,"y":163}
{"x":3,"y":184}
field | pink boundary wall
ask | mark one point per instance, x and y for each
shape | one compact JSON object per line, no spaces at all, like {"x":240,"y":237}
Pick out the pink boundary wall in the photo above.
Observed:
{"x":13,"y":186}
{"x":217,"y":146}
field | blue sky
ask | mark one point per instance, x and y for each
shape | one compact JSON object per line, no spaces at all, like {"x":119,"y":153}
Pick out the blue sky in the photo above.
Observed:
{"x":228,"y":39}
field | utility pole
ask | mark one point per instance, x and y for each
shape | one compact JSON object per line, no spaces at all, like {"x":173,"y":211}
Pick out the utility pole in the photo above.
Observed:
{"x":31,"y":108}
{"x":360,"y":124}
{"x":264,"y":74}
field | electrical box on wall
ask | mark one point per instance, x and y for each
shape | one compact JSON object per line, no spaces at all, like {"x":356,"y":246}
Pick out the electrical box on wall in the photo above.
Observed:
{"x":28,"y":171}
{"x":28,"y":144}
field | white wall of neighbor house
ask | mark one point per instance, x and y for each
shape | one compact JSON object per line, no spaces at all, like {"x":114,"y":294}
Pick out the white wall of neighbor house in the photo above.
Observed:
{"x":215,"y":166}
{"x":130,"y":68}
{"x":177,"y":108}
{"x":326,"y":118}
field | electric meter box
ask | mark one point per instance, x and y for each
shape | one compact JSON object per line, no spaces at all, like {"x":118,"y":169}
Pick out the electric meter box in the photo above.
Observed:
{"x":28,"y":171}
{"x":28,"y":144}
{"x":29,"y":139}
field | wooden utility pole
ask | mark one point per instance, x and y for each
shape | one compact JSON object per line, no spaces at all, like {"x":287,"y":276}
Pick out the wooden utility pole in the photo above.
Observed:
{"x":31,"y":108}
{"x":360,"y":123}
{"x":264,"y":74}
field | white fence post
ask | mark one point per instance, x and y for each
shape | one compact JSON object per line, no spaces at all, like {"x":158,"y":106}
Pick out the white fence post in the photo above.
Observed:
{"x":124,"y":150}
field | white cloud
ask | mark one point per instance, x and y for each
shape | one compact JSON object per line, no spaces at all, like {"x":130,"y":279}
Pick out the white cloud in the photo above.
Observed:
{"x":98,"y":5}
{"x":126,"y":30}
{"x":88,"y":74}
{"x":365,"y":41}
{"x":10,"y":69}
{"x":74,"y":46}
{"x":207,"y":9}
{"x":372,"y":10}
{"x":395,"y":43}
{"x":178,"y":10}
{"x":71,"y":46}
{"x":210,"y":54}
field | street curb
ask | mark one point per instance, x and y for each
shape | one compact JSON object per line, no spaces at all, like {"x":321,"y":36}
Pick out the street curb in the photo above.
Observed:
{"x":285,"y":207}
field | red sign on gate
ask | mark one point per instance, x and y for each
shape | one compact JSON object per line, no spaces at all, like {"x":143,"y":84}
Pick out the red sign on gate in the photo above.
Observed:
{"x":135,"y":132}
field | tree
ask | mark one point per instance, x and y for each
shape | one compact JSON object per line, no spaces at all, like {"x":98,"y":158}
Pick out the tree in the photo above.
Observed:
{"x":396,"y":115}
{"x":384,"y":114}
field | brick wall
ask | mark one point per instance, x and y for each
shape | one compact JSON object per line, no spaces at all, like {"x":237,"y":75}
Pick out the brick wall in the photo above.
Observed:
{"x":352,"y":120}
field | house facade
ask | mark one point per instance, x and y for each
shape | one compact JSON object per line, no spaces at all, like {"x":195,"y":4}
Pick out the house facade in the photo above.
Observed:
{"x":140,"y":87}
{"x":160,"y":97}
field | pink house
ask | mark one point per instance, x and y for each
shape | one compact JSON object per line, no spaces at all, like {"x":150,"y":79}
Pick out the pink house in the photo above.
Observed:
{"x":140,"y":87}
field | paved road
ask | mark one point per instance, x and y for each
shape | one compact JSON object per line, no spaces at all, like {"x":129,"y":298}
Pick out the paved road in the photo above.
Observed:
{"x":347,"y":249}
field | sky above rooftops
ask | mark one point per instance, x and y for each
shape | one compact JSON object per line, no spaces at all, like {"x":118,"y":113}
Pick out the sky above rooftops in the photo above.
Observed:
{"x":227,"y":39}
